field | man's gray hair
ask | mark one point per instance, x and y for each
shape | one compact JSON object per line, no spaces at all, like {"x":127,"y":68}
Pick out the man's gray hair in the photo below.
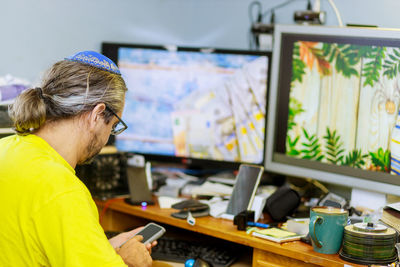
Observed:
{"x":68,"y":89}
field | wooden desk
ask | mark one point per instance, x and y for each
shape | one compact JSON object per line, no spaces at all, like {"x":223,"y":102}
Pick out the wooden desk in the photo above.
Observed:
{"x":120,"y":216}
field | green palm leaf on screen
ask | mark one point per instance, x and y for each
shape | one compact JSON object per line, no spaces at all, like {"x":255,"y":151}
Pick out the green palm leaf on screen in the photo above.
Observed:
{"x":374,"y":61}
{"x":381,"y":159}
{"x":391,"y":64}
{"x":291,"y":146}
{"x":355,"y":159}
{"x":298,"y":65}
{"x":295,"y":108}
{"x":334,"y":147}
{"x":344,"y":56}
{"x":311,"y":148}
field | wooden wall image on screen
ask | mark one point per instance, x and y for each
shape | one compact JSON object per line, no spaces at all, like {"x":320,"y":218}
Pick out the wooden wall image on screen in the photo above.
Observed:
{"x":344,"y":102}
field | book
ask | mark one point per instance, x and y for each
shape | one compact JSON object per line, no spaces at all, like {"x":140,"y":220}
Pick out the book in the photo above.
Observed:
{"x":391,"y":215}
{"x":275,"y":234}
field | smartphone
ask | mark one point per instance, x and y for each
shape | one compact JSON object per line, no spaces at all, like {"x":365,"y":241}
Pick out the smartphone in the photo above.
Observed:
{"x":245,"y":188}
{"x":150,"y":233}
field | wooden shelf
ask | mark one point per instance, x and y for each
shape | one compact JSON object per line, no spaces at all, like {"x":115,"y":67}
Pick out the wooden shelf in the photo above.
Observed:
{"x":296,"y":252}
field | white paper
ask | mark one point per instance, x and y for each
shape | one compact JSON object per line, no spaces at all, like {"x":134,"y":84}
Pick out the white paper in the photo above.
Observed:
{"x":367,"y":199}
{"x":212,"y":189}
{"x":219,"y":208}
{"x":167,"y":202}
{"x":258,"y":206}
{"x":395,"y":206}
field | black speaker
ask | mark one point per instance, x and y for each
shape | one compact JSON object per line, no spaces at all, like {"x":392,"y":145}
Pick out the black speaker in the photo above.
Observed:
{"x":5,"y":121}
{"x":138,"y":186}
{"x":106,"y":175}
{"x":283,"y":202}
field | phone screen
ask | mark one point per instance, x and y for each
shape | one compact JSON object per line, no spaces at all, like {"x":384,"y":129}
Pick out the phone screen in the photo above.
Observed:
{"x":149,"y":231}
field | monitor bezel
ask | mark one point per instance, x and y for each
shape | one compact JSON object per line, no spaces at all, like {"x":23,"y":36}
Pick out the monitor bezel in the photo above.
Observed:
{"x":110,"y":49}
{"x":280,"y":163}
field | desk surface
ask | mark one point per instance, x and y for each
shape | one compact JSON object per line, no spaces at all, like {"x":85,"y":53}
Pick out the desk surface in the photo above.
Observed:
{"x":224,"y":229}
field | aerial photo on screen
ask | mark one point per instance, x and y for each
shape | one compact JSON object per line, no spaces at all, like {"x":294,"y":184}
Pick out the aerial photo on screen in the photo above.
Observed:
{"x":344,"y":105}
{"x":193,"y":104}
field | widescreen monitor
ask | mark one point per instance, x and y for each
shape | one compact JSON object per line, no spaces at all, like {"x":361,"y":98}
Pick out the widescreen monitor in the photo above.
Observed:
{"x":200,"y":106}
{"x":334,"y":106}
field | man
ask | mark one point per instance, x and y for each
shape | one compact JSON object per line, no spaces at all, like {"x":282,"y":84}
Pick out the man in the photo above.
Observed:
{"x":48,"y":217}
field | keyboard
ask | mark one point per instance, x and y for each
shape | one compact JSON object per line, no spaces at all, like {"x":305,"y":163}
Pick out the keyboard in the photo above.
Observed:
{"x":110,"y":234}
{"x":177,"y":250}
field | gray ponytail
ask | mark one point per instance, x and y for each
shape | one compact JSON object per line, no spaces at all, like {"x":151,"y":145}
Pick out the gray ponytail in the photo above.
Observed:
{"x":28,"y":111}
{"x":68,"y":89}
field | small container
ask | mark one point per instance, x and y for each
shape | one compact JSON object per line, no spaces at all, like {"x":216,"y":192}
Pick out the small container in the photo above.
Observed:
{"x":299,"y":226}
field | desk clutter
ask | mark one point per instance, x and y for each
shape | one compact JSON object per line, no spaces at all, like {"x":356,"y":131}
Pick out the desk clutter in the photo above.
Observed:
{"x":274,"y":234}
{"x":362,"y":243}
{"x":368,"y":243}
{"x":189,"y":208}
{"x":179,"y":250}
{"x":328,"y":228}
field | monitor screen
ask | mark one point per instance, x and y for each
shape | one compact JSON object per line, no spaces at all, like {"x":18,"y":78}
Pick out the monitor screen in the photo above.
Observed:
{"x":334,"y":106}
{"x":197,"y":104}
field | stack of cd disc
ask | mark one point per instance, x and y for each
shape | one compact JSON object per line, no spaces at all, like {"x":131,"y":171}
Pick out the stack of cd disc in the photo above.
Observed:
{"x":368,"y":243}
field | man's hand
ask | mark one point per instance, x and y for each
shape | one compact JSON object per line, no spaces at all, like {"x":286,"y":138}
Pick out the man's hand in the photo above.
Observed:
{"x":118,"y":240}
{"x":134,"y":253}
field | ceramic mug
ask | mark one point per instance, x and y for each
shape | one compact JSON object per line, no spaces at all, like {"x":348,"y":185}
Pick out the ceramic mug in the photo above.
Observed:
{"x":326,"y":228}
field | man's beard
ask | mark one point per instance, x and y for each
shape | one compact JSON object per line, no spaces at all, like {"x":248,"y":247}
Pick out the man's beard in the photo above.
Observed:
{"x":93,"y":148}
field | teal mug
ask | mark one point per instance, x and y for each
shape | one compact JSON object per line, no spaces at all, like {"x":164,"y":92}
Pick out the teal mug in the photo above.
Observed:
{"x":326,"y":228}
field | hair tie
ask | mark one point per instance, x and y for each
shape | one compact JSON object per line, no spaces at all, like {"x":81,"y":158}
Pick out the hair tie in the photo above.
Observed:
{"x":40,"y":92}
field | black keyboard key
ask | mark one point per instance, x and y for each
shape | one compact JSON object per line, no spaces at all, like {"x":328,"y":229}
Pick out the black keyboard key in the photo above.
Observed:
{"x":177,"y":250}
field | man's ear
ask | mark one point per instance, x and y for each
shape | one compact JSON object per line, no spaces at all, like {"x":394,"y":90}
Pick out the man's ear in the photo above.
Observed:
{"x":96,"y":115}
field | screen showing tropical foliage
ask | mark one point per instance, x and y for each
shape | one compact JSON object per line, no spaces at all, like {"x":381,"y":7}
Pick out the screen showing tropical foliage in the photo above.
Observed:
{"x":344,"y":105}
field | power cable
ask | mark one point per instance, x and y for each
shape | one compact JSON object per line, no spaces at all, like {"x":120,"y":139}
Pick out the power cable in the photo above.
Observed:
{"x":259,"y":14}
{"x":272,"y":9}
{"x":336,"y":12}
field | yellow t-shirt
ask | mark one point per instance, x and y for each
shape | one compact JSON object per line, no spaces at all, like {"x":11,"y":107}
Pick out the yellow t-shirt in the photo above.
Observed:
{"x":47,"y":216}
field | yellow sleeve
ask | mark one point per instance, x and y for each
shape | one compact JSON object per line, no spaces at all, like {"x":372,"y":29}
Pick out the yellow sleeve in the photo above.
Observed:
{"x":70,"y":234}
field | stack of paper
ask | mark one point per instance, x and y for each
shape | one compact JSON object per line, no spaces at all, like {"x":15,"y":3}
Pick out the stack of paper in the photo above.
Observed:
{"x":391,"y":215}
{"x":212,"y":189}
{"x":274,"y":234}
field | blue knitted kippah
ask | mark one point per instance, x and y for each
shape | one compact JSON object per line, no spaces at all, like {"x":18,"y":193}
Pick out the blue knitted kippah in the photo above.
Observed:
{"x":95,"y":59}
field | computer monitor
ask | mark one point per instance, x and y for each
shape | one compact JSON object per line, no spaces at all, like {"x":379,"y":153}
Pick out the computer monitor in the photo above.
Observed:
{"x":334,"y":105}
{"x":192,"y":105}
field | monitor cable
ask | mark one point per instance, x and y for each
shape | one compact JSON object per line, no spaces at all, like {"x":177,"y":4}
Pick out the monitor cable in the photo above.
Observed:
{"x":253,"y":37}
{"x":339,"y":18}
{"x":256,"y":20}
{"x":272,"y":9}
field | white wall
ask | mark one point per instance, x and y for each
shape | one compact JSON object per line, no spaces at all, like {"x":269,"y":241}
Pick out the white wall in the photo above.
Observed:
{"x":36,"y":33}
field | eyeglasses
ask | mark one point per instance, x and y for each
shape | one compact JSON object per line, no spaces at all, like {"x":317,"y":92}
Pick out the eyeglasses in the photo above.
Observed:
{"x":118,"y":127}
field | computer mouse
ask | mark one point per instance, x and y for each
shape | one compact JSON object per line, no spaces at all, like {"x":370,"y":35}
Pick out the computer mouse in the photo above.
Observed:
{"x":197,"y":263}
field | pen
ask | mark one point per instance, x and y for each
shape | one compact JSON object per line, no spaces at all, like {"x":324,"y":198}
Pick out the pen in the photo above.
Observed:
{"x":261,"y":225}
